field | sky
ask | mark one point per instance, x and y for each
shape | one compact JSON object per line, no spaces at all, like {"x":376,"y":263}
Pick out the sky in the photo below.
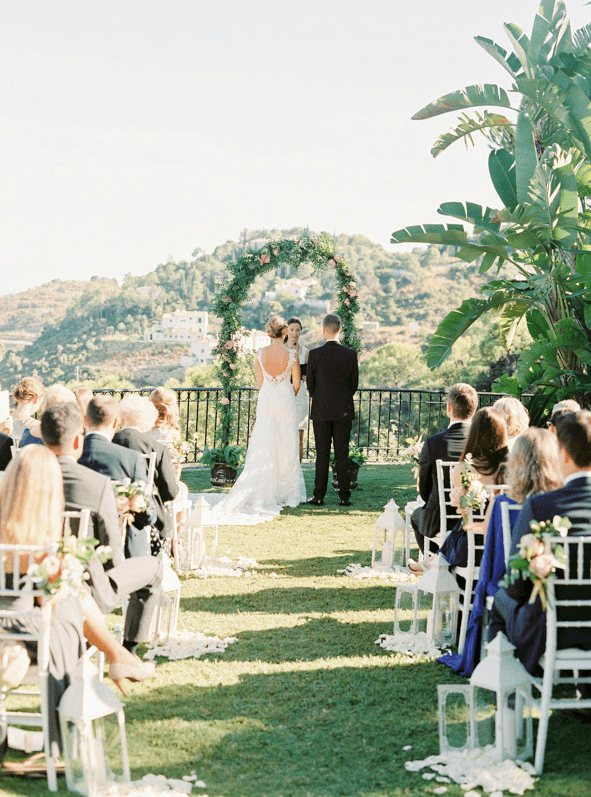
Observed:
{"x":135,"y":132}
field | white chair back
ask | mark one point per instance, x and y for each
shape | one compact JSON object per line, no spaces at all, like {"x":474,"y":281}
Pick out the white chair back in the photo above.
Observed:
{"x":16,"y":584}
{"x":448,"y":514}
{"x":81,"y":526}
{"x":506,"y":510}
{"x":151,"y":468}
{"x":569,"y":609}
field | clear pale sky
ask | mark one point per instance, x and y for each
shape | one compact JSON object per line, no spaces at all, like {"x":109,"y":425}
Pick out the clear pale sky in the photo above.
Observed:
{"x":137,"y":131}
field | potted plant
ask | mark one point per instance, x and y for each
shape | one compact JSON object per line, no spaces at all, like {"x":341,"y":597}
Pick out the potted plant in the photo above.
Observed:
{"x":224,"y":461}
{"x":356,"y":460}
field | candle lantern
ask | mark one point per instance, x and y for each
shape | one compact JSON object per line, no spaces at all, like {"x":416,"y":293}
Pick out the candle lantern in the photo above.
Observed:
{"x":406,"y":609}
{"x":502,"y":702}
{"x":92,"y":724}
{"x":391,"y":526}
{"x":455,"y":717}
{"x":166,"y":616}
{"x":441,"y":593}
{"x":192,"y":541}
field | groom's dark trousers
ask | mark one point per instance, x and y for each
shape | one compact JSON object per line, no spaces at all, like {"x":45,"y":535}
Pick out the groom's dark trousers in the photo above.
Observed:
{"x":332,"y":379}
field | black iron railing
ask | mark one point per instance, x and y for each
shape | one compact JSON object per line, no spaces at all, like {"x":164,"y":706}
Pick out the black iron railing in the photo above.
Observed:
{"x":385,"y":418}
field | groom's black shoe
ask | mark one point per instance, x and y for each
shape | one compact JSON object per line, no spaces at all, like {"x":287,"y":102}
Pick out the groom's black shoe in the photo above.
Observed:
{"x":345,"y":502}
{"x":315,"y":501}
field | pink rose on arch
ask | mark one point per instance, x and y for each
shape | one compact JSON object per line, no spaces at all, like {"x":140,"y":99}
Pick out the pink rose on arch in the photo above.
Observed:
{"x":265,"y":259}
{"x":229,"y":345}
{"x":233,"y":366}
{"x":337,"y":258}
{"x":352,"y":284}
{"x":352,"y":293}
{"x":331,"y":263}
{"x":225,"y":299}
{"x":224,"y":400}
{"x":347,"y":302}
{"x":276,"y":251}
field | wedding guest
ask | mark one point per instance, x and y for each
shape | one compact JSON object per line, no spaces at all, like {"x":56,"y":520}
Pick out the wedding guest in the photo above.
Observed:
{"x":524,"y":623}
{"x":6,"y":444}
{"x":116,"y":462}
{"x":533,"y":467}
{"x":516,"y":417}
{"x":461,"y":404}
{"x":139,"y":577}
{"x":53,"y":395}
{"x":166,"y":427}
{"x":570,"y":405}
{"x":138,"y":416}
{"x":83,"y":395}
{"x":27,"y":395}
{"x":486,"y":448}
{"x":31,"y":505}
{"x":292,"y":341}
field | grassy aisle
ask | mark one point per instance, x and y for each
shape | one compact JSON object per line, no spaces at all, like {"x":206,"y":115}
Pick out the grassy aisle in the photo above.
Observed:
{"x":304,"y":703}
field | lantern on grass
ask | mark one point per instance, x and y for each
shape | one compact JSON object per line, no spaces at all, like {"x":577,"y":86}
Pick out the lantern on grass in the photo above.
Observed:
{"x":502,"y":702}
{"x":92,"y":723}
{"x":455,"y":717}
{"x":165,"y":621}
{"x":391,"y":526}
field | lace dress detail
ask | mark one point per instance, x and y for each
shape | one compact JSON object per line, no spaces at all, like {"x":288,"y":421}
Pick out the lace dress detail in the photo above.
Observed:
{"x":272,"y":476}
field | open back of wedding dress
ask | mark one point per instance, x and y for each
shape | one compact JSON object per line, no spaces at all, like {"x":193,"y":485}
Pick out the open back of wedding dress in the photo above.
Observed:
{"x":272,"y":476}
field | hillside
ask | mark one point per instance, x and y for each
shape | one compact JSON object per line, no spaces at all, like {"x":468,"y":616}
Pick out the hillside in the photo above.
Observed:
{"x":92,"y":331}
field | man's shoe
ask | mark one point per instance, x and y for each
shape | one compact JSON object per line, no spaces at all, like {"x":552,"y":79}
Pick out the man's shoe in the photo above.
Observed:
{"x":315,"y":501}
{"x":345,"y":502}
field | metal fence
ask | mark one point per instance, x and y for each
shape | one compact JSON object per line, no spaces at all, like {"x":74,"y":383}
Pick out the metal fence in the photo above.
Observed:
{"x":384,"y":420}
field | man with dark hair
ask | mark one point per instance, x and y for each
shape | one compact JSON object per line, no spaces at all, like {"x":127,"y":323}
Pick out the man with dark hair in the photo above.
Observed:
{"x":524,"y":623}
{"x":116,"y":462}
{"x":462,"y":401}
{"x":62,"y":432}
{"x":332,"y":379}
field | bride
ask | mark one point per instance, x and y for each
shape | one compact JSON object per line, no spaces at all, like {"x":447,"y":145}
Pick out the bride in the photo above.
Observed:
{"x":272,"y":476}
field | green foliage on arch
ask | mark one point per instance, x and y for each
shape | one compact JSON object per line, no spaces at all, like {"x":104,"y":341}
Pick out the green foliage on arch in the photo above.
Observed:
{"x":316,"y":250}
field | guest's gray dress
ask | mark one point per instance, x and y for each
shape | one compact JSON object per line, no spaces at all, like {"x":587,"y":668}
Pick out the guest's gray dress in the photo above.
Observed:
{"x":66,"y":645}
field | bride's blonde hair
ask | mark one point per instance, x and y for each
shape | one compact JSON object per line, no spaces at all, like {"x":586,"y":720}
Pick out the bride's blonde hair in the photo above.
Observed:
{"x":276,"y":326}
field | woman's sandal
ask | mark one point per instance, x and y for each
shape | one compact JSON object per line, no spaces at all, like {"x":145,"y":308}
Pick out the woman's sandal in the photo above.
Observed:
{"x":417,"y":567}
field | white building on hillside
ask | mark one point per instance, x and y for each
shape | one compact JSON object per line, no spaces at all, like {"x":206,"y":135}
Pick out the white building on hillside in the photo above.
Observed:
{"x":201,"y":352}
{"x":296,"y":287}
{"x":182,"y":325}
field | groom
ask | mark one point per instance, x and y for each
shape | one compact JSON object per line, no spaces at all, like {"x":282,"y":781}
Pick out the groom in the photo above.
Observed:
{"x":332,"y":377}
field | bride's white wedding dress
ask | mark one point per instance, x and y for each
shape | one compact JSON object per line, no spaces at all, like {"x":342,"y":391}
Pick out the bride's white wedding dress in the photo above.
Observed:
{"x":272,"y":476}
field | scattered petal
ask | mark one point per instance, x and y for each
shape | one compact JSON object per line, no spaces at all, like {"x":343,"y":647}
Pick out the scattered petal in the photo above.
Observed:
{"x":407,"y":747}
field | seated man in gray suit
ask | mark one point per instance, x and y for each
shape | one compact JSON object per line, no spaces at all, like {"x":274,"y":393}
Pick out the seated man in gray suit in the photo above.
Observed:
{"x":140,"y":577}
{"x":116,"y":462}
{"x":462,"y":401}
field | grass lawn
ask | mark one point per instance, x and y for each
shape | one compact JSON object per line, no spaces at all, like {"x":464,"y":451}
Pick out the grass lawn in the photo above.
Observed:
{"x":305,"y":703}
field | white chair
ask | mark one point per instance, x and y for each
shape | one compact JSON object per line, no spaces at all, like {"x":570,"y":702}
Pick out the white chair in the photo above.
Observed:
{"x":470,"y":572}
{"x":408,"y":530}
{"x":178,"y":512}
{"x":565,"y":666}
{"x":151,"y":468}
{"x":165,"y":620}
{"x":506,"y":523}
{"x":21,"y":557}
{"x":81,"y":527}
{"x":448,"y":514}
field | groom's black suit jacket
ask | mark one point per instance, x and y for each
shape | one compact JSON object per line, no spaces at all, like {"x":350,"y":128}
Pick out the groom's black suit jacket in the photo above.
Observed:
{"x":332,"y":377}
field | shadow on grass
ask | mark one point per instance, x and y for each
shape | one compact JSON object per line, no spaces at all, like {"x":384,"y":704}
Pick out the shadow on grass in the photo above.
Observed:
{"x":296,"y":600}
{"x":317,"y":565}
{"x":324,"y":732}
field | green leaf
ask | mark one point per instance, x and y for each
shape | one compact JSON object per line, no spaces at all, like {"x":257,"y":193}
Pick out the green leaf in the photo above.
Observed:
{"x":525,"y":155}
{"x":467,"y":127}
{"x":582,"y":39}
{"x":470,"y":97}
{"x":520,"y":44}
{"x":456,"y":323}
{"x":472,"y":213}
{"x":580,"y":116}
{"x":450,"y":235}
{"x":511,"y":64}
{"x":501,"y":165}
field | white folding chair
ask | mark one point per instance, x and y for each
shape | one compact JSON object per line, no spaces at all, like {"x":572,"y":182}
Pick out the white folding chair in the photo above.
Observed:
{"x":470,"y":572}
{"x":151,"y":468}
{"x":567,"y":591}
{"x":178,"y":512}
{"x":448,"y":514}
{"x":506,"y":509}
{"x":15,"y":561}
{"x":82,"y":525}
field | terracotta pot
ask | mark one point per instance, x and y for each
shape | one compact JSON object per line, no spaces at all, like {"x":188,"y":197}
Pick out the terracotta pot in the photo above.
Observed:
{"x":222,"y":475}
{"x":353,"y":474}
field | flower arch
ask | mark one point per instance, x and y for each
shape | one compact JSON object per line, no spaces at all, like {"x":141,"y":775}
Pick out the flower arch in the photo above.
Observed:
{"x":320,"y":252}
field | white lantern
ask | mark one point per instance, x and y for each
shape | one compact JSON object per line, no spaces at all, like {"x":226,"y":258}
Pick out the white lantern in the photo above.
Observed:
{"x":166,"y":615}
{"x":455,"y":717}
{"x":502,"y":701}
{"x":92,"y":723}
{"x":442,"y":616}
{"x":391,"y":525}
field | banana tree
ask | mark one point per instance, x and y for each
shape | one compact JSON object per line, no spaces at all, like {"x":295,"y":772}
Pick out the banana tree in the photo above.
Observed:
{"x":539,"y":239}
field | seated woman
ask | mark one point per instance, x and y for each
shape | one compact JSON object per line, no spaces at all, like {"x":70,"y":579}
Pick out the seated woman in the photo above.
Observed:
{"x":27,"y":395}
{"x":31,"y":506}
{"x":486,"y":448}
{"x":53,"y":394}
{"x":532,"y":467}
{"x":166,"y":428}
{"x":515,"y":415}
